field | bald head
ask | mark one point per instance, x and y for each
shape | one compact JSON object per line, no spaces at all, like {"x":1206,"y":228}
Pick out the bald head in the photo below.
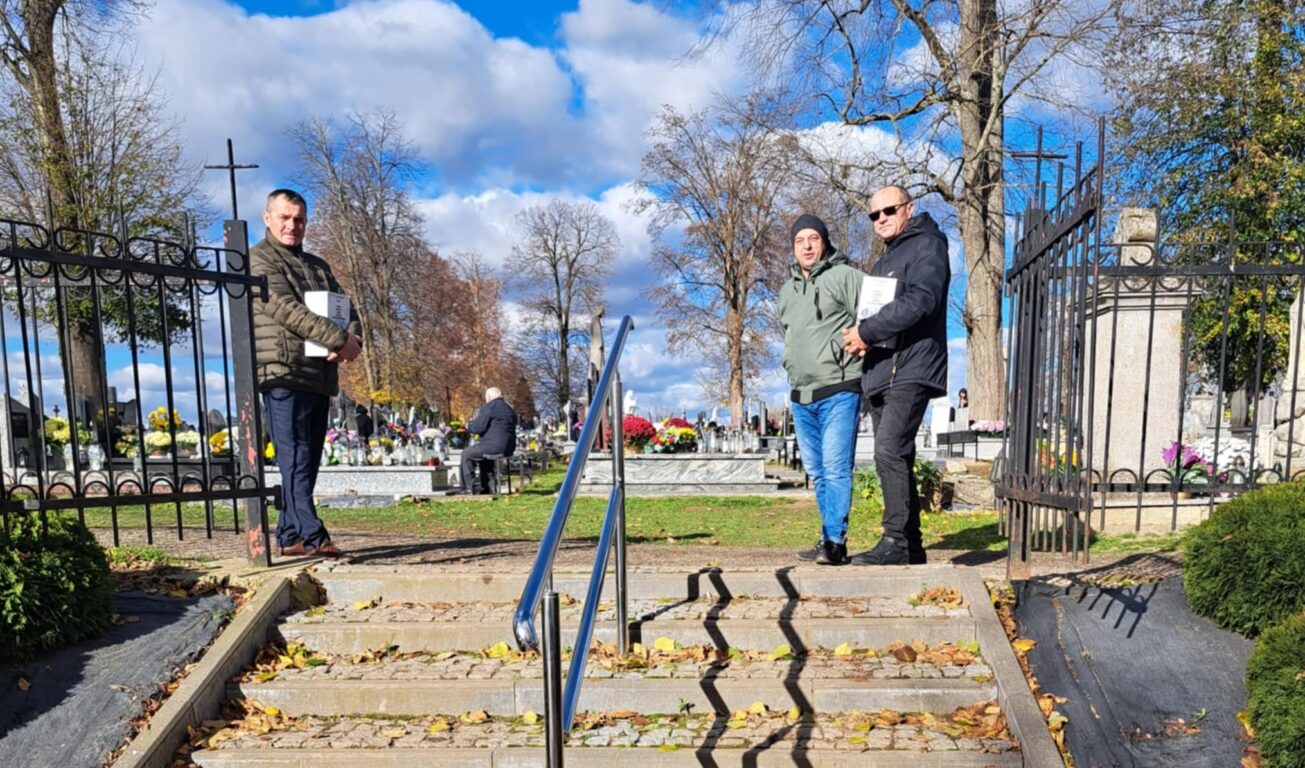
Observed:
{"x":493,"y":393}
{"x":891,"y":210}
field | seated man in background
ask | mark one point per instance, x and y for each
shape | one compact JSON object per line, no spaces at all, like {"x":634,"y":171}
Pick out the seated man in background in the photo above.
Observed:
{"x":495,"y":423}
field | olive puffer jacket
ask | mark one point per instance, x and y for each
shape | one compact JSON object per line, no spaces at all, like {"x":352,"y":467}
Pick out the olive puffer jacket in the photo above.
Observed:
{"x":282,"y":322}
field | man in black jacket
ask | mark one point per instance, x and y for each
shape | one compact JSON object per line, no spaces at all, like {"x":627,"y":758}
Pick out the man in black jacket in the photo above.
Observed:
{"x":496,"y":425}
{"x":905,"y":349}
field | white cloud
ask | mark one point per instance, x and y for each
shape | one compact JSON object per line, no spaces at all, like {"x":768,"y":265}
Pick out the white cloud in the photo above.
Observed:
{"x":486,"y":222}
{"x":462,"y":94}
{"x":630,"y":60}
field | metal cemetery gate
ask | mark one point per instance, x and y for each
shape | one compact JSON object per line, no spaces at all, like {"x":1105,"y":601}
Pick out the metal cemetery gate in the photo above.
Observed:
{"x":1146,"y":379}
{"x":129,"y":298}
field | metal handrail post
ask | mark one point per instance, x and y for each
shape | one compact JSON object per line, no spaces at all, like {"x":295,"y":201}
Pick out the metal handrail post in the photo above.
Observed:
{"x":552,"y":652}
{"x":618,"y":482}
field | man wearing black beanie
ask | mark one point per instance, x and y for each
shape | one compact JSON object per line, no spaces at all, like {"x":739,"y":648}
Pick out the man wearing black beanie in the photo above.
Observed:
{"x":816,"y":303}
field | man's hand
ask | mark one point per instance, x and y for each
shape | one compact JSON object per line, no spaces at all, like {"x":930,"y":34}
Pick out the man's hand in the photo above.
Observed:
{"x":852,"y":343}
{"x":350,"y":351}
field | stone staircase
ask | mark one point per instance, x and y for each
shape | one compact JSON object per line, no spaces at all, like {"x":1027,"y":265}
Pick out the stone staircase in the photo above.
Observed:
{"x":802,"y":666}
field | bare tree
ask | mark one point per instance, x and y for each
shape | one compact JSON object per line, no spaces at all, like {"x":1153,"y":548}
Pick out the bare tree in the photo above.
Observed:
{"x":560,"y":265}
{"x":936,"y":75}
{"x":366,"y":225}
{"x":82,"y":121}
{"x":715,"y":182}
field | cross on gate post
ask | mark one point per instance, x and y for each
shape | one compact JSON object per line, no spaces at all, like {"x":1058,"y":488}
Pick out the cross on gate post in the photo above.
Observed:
{"x":248,"y":445}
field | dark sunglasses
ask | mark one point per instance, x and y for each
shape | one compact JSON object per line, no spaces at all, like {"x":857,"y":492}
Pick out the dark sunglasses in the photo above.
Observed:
{"x":887,"y":210}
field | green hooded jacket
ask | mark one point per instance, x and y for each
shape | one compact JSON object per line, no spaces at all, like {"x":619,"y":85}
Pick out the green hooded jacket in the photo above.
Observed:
{"x":813,"y":311}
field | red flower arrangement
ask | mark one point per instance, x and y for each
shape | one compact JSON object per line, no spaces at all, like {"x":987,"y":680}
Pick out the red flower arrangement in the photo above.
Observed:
{"x":676,"y":421}
{"x":637,"y":431}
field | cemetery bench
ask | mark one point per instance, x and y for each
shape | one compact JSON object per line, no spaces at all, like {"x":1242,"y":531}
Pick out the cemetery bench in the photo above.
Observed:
{"x":954,"y":443}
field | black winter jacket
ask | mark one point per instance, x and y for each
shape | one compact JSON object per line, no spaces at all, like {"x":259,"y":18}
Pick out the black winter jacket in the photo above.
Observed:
{"x":496,"y":424}
{"x":917,"y":319}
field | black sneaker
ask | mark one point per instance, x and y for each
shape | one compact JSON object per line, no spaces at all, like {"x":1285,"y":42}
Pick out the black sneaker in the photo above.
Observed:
{"x":888,"y":551}
{"x":832,"y":553}
{"x":810,"y":555}
{"x":916,"y":556}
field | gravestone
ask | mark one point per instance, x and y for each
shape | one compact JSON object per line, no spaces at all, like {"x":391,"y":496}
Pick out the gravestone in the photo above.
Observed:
{"x":1136,"y":409}
{"x":1289,"y":429}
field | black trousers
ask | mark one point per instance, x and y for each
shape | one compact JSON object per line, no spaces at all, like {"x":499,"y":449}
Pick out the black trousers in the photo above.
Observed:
{"x":473,"y":456}
{"x":896,"y":414}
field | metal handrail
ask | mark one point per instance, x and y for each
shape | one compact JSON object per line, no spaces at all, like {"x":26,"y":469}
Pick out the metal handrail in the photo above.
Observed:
{"x":559,"y":720}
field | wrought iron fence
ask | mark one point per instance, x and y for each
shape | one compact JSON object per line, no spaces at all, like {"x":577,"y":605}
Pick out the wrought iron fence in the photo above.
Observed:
{"x":128,"y":381}
{"x":1150,"y":378}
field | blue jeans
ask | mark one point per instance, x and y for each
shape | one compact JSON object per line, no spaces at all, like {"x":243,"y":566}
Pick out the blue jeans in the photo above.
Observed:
{"x":826,"y":434}
{"x":296,"y":422}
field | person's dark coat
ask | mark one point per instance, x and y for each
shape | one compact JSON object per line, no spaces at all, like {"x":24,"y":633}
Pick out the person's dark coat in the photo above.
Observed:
{"x":496,"y":424}
{"x":914,"y":325}
{"x":364,"y":422}
{"x":282,"y":323}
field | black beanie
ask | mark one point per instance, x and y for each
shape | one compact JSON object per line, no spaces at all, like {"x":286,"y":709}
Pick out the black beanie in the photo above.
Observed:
{"x":807,"y":221}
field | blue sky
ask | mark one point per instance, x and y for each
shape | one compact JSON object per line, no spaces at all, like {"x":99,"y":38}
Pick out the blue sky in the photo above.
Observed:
{"x":508,"y":103}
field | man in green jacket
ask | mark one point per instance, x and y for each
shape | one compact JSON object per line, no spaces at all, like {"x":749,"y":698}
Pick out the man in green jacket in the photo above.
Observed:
{"x":816,"y":303}
{"x":296,"y":387}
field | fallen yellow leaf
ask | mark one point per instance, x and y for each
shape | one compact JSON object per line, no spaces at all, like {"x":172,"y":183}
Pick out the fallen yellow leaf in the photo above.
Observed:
{"x":476,"y":717}
{"x":794,"y":713}
{"x":362,"y":605}
{"x":497,"y":650}
{"x":843,"y":649}
{"x":439,"y":726}
{"x":664,"y":644}
{"x":758,"y":708}
{"x":530,"y":717}
{"x":1023,"y":644}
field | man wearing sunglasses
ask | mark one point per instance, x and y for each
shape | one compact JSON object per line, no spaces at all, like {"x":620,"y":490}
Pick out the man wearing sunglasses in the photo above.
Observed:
{"x":905,"y":350}
{"x":816,"y":303}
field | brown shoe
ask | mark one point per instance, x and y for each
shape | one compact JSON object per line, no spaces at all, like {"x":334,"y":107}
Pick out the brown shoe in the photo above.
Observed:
{"x":325,"y":549}
{"x":294,"y":550}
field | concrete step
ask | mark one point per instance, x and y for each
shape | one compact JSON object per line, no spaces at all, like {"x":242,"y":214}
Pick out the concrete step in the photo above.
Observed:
{"x":720,"y":609}
{"x":747,"y":634}
{"x":651,"y":757}
{"x":516,"y":697}
{"x":346,"y":583}
{"x":765,"y":739}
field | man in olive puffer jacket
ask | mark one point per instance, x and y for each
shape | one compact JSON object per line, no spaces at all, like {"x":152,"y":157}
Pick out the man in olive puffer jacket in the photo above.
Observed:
{"x":816,"y":303}
{"x":296,"y":389}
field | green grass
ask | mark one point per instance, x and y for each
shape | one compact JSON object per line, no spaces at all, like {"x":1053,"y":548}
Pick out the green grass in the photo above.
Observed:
{"x":743,"y":521}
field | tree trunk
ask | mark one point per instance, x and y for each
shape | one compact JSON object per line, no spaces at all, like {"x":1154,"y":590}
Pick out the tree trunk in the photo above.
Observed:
{"x":43,"y":88}
{"x":84,"y":358}
{"x":980,"y":206}
{"x":734,"y":324}
{"x":563,"y":362}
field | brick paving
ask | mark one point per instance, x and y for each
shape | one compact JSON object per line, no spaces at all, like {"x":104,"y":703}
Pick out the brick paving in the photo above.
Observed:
{"x":831,"y":732}
{"x":639,"y":610}
{"x":816,"y":666}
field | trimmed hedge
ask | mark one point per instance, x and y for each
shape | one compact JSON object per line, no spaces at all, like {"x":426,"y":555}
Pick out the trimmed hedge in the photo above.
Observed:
{"x":1243,"y":566}
{"x":55,"y":586}
{"x":1275,"y":678}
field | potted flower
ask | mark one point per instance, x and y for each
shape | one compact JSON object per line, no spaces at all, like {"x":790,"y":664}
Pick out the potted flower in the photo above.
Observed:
{"x":57,"y":434}
{"x":457,"y":434}
{"x":187,"y":442}
{"x":638,"y":433}
{"x":219,"y":443}
{"x":1184,"y":466}
{"x":675,"y":435}
{"x":157,"y":444}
